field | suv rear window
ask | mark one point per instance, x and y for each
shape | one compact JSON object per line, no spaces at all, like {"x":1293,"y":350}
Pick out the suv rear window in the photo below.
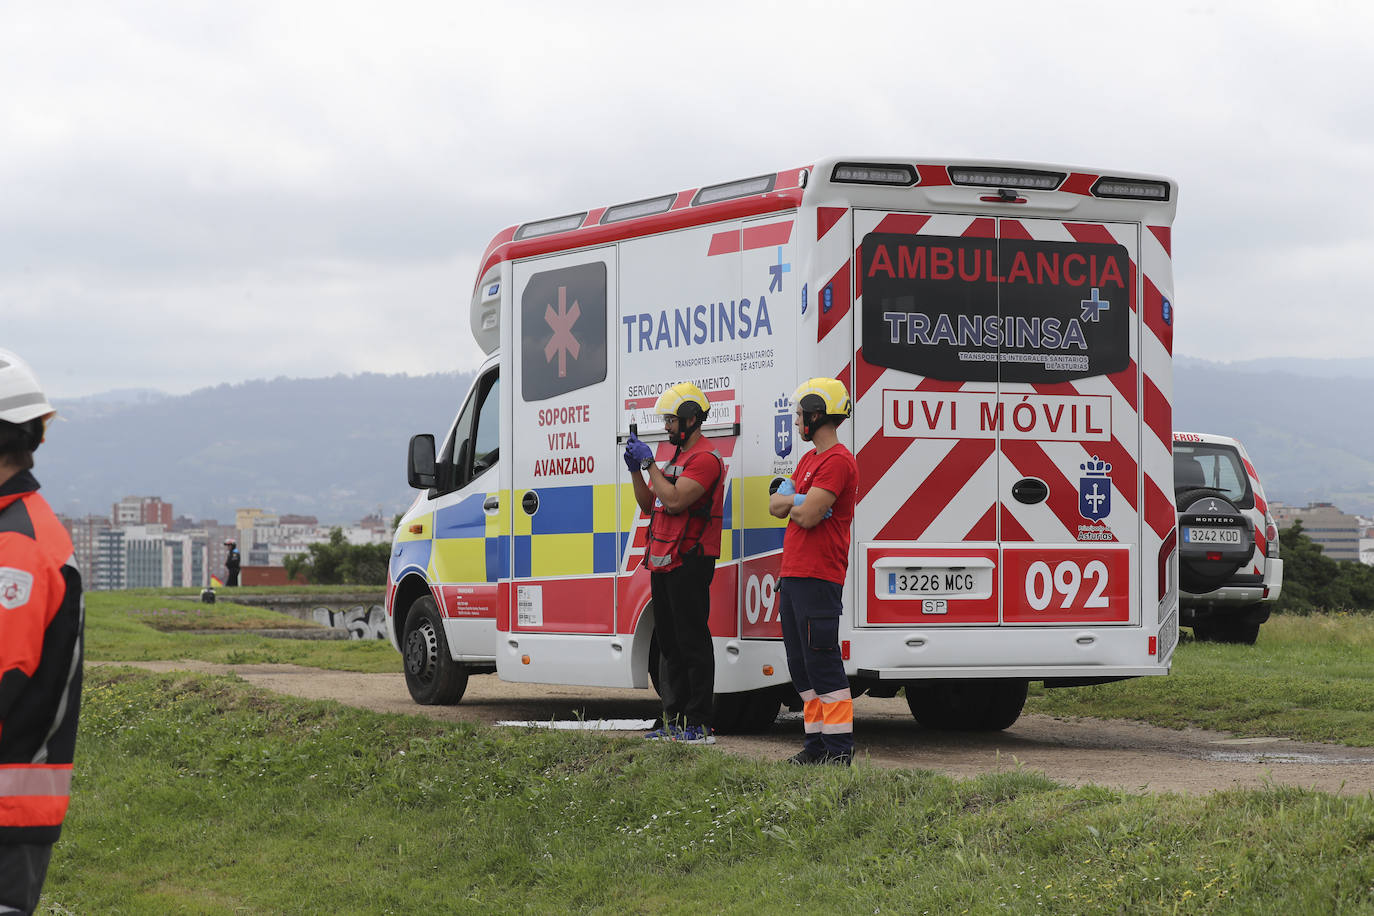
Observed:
{"x":1216,"y":466}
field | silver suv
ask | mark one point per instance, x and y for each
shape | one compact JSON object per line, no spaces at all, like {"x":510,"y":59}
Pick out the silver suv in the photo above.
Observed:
{"x":1229,"y":571}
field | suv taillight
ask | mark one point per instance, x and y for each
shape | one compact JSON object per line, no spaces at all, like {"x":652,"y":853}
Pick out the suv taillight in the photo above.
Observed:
{"x":1271,"y":536}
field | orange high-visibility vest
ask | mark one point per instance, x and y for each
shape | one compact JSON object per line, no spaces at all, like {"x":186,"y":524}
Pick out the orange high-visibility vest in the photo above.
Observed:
{"x":41,"y":623}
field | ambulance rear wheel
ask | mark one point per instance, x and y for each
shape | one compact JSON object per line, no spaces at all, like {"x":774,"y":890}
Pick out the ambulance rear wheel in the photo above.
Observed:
{"x":967,"y":705}
{"x":432,"y":676}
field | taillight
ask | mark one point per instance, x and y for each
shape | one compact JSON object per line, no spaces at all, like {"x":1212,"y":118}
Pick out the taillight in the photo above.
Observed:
{"x":1271,"y":536}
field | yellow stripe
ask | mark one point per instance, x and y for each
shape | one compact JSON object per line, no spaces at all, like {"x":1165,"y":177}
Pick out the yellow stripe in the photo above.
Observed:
{"x":561,"y":555}
{"x":497,"y":520}
{"x":604,"y":507}
{"x":426,"y":532}
{"x":755,"y":505}
{"x":459,"y":560}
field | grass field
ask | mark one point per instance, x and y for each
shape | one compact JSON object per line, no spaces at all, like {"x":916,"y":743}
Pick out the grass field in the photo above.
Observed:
{"x":198,"y":794}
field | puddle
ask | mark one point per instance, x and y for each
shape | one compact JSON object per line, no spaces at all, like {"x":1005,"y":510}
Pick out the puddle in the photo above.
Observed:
{"x":1263,"y":757}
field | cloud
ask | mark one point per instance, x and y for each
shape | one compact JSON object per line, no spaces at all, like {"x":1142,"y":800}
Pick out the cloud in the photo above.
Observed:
{"x":208,"y":192}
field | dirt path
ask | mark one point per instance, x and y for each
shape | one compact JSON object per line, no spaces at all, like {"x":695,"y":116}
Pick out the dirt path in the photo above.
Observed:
{"x":1112,"y":753}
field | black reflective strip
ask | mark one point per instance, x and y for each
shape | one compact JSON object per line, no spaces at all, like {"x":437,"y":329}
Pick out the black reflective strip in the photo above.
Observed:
{"x":15,"y":517}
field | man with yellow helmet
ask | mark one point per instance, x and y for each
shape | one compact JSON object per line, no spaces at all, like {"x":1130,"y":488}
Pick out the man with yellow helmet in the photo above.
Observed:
{"x":684,"y":501}
{"x":818,"y":502}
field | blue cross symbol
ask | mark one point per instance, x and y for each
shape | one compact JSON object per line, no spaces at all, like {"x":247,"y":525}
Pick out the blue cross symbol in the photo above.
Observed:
{"x":1094,"y":307}
{"x":777,"y":270}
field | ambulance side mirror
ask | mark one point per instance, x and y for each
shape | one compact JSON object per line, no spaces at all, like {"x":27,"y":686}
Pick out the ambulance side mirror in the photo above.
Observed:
{"x":420,"y":466}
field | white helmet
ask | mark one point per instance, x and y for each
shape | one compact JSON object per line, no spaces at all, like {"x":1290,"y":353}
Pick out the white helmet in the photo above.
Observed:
{"x":21,"y":397}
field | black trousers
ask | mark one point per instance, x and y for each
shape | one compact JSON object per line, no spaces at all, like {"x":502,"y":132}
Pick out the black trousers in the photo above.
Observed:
{"x":687,"y":661}
{"x":23,"y":867}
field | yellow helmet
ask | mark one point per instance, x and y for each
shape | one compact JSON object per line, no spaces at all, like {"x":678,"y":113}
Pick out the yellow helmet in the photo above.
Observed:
{"x":684,"y":400}
{"x":823,"y":395}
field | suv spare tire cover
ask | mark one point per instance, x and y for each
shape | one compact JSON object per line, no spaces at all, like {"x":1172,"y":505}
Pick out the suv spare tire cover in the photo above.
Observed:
{"x":1214,"y":540}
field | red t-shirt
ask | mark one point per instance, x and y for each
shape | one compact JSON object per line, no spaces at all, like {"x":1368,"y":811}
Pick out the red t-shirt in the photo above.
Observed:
{"x":822,"y":552}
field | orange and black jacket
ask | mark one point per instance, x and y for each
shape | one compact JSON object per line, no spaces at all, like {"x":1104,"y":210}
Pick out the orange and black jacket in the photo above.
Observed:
{"x":41,"y":622}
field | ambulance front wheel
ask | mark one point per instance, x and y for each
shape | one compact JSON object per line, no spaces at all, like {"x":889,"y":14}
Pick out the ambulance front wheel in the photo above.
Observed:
{"x":432,"y":676}
{"x":967,"y":705}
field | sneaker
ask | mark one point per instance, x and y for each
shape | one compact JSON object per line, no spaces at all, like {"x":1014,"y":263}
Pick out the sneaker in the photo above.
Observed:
{"x":665,"y":732}
{"x":696,"y":734}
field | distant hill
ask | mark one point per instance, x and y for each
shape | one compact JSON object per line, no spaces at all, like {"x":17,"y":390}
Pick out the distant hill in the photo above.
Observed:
{"x":330,"y":447}
{"x":1310,"y":433}
{"x":335,"y":447}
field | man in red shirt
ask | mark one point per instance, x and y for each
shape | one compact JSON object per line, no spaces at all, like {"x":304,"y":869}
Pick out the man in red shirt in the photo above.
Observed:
{"x":818,"y":502}
{"x":685,"y":502}
{"x":41,"y":621}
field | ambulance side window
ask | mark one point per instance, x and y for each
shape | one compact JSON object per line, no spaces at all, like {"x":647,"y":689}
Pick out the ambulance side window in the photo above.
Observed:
{"x":472,"y":447}
{"x":486,"y":437}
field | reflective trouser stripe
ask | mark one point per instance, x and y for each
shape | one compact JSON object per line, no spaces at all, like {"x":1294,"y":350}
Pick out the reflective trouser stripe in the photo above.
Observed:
{"x":812,"y":717}
{"x":34,"y":795}
{"x":838,"y":716}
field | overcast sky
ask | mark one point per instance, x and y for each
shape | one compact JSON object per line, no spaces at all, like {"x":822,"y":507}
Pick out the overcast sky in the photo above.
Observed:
{"x":207,"y":191}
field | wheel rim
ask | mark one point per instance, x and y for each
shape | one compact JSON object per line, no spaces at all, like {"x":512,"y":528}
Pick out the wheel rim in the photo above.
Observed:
{"x":422,"y":652}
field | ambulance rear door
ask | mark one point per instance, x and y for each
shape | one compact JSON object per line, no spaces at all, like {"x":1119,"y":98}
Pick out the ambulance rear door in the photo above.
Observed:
{"x":995,"y":425}
{"x":564,"y":529}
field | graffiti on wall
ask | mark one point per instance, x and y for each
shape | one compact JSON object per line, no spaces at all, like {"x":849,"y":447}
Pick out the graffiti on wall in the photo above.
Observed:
{"x":361,"y":622}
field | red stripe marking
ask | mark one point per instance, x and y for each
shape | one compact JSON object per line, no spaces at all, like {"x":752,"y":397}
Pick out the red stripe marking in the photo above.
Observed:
{"x":827,"y":217}
{"x":932,"y":175}
{"x":767,"y":236}
{"x":866,"y":375}
{"x":1165,"y":236}
{"x":1013,"y":229}
{"x":984,"y":227}
{"x":934,"y":493}
{"x":858,"y":274}
{"x":724,"y":243}
{"x":1159,"y":509}
{"x":985,"y":529}
{"x":1157,"y":413}
{"x":1012,"y":530}
{"x":902,"y":223}
{"x":1124,"y":382}
{"x":1113,"y":451}
{"x":881,"y":452}
{"x":1030,"y":460}
{"x":1154,"y":316}
{"x":1078,"y":183}
{"x":505,"y":248}
{"x":839,"y":302}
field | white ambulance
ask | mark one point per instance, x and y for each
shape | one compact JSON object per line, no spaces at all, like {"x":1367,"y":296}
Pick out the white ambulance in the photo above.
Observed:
{"x":1005,"y":330}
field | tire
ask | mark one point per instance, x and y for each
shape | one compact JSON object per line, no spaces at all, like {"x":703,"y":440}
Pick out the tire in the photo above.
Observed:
{"x":1238,"y":632}
{"x":751,"y":712}
{"x":967,"y":705}
{"x":655,"y":659}
{"x":432,"y":676}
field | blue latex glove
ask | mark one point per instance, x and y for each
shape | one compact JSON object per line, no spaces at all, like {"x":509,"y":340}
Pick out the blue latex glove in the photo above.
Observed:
{"x":786,"y":488}
{"x":636,"y":452}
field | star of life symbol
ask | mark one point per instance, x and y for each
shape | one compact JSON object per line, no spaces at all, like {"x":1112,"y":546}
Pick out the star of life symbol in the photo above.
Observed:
{"x":15,"y":587}
{"x":777,"y":270}
{"x":1095,"y":489}
{"x":1094,"y":307}
{"x":782,"y":427}
{"x":563,"y":343}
